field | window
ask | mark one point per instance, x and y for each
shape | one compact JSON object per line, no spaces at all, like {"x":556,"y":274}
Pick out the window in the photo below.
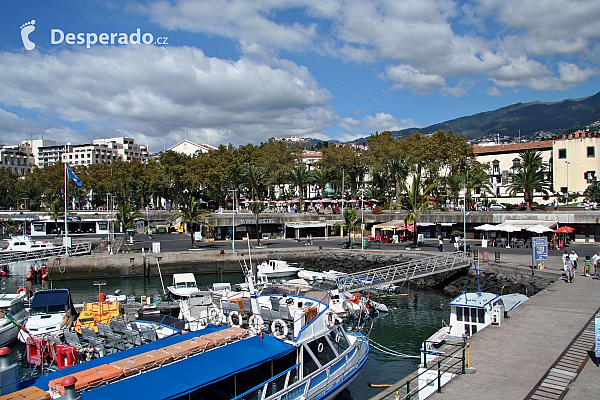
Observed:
{"x":481,"y":316}
{"x":322,"y":350}
{"x":516,"y":162}
{"x":562,"y":153}
{"x":495,"y":167}
{"x":589,"y":176}
{"x":459,"y":314}
{"x":563,"y":189}
{"x":310,"y":364}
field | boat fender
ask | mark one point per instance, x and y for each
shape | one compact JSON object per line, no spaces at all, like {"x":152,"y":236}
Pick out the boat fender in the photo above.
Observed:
{"x":234,"y":319}
{"x":349,"y":308}
{"x":279,"y":329}
{"x":22,"y":291}
{"x":101,"y":297}
{"x":320,"y":347}
{"x":256,"y":324}
{"x":330,"y":319}
{"x":215,"y":316}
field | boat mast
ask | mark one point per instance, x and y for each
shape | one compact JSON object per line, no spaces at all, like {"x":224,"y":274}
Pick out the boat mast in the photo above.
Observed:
{"x":66,"y":238}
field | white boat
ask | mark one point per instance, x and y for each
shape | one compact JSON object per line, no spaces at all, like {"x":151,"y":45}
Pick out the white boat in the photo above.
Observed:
{"x":280,"y":346}
{"x":11,"y":305}
{"x":330,"y":275}
{"x":195,"y":310}
{"x":183,"y":286}
{"x":51,"y":313}
{"x":352,"y":305}
{"x":277,"y":269}
{"x":25,"y":243}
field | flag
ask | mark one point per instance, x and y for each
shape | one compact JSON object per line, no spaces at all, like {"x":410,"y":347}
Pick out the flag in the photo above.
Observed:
{"x":20,"y":326}
{"x":72,"y":175}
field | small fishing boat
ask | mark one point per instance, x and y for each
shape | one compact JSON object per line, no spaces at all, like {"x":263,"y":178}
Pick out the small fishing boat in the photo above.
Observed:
{"x":183,"y":286}
{"x":277,"y":269}
{"x":98,"y":312}
{"x":51,"y":312}
{"x":12,"y":314}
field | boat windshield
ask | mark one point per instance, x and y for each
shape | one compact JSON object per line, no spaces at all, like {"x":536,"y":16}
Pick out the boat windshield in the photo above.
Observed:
{"x":3,"y":311}
{"x":304,"y":291}
{"x":54,"y":309}
{"x":180,"y":285}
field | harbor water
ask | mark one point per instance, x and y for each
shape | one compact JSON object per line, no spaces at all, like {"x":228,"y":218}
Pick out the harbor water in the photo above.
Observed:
{"x":413,"y":316}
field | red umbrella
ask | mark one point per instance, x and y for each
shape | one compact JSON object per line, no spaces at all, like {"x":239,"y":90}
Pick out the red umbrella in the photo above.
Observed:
{"x":409,"y":228}
{"x":564,"y":229}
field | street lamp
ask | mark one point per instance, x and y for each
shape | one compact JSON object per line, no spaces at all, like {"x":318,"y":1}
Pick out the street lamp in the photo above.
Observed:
{"x":25,"y":209}
{"x":233,"y":221}
{"x":465,"y":219}
{"x":567,"y":201}
{"x":108,"y":217}
{"x":362,"y":217}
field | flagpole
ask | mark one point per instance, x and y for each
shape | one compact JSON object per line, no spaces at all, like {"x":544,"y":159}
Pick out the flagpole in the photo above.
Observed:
{"x":66,"y":239}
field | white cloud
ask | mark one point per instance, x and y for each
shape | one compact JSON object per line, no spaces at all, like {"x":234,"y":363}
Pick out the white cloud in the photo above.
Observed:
{"x":155,"y":92}
{"x":461,"y":88}
{"x":407,"y":77}
{"x":493,"y":91}
{"x":369,"y":124}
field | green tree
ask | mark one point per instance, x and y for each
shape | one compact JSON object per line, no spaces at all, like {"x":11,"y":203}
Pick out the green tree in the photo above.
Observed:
{"x":321,"y":178}
{"x":592,"y":192}
{"x":126,"y":218}
{"x":529,"y":176}
{"x":399,"y":168}
{"x":255,"y":179}
{"x":416,"y":201}
{"x":301,"y":177}
{"x":56,"y":210}
{"x":256,"y":207}
{"x":350,"y":223}
{"x":190,"y":215}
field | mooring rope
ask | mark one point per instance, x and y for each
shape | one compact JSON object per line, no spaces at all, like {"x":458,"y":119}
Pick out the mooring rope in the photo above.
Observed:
{"x":391,"y":352}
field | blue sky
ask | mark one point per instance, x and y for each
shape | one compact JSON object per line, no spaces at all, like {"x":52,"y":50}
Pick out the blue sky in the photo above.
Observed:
{"x":242,"y":71}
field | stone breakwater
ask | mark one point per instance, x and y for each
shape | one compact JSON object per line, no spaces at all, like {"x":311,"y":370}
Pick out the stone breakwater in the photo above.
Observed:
{"x":452,"y":283}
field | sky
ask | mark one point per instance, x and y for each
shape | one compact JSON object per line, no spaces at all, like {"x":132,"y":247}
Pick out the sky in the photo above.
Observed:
{"x":242,"y":71}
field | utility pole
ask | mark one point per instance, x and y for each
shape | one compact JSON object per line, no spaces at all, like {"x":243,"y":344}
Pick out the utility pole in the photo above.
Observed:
{"x":233,"y":221}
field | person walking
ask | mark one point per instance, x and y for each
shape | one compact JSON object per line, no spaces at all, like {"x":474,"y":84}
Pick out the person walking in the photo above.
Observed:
{"x":595,"y":260}
{"x":574,"y":257}
{"x":570,"y":271}
{"x":587,"y":266}
{"x":565,"y":258}
{"x":440,"y":244}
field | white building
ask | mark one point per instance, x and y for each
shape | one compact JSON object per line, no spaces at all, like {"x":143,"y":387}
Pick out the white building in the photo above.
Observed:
{"x":35,"y":145}
{"x":50,"y":155}
{"x":190,"y":148}
{"x":126,"y":148}
{"x":16,"y":158}
{"x":576,"y":165}
{"x":86,"y":154}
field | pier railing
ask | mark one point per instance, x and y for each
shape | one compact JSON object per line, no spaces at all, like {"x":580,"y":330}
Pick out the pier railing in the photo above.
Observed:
{"x":405,"y":271}
{"x":43,"y":254}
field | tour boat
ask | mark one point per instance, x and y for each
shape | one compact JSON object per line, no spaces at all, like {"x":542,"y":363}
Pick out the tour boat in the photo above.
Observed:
{"x":277,"y":269}
{"x":280,"y":346}
{"x":183,"y":286}
{"x":51,"y":312}
{"x":25,"y":243}
{"x":11,"y":309}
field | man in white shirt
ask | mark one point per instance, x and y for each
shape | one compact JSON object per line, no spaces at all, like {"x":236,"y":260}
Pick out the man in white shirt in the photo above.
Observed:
{"x":595,"y":259}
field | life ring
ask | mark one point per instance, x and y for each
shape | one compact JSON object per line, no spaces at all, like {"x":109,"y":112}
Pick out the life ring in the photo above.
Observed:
{"x":22,"y":291}
{"x":256,"y":324}
{"x":279,"y":329}
{"x":234,"y":319}
{"x":320,"y":347}
{"x":101,"y":297}
{"x":215,"y":316}
{"x":329,"y":319}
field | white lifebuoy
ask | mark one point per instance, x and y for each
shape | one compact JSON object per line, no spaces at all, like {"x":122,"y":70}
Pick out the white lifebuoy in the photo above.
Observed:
{"x":280,"y":329}
{"x":22,"y":291}
{"x":329,"y":319}
{"x":256,"y":324}
{"x":234,"y":319}
{"x":215,"y":316}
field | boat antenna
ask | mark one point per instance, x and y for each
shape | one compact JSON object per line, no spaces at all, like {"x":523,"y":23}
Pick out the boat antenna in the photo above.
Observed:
{"x":476,"y":269}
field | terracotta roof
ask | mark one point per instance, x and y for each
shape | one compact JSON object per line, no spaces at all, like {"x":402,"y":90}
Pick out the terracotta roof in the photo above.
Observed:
{"x":513,"y":147}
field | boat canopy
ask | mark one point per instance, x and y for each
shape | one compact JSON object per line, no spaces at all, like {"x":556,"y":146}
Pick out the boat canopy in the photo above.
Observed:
{"x":182,"y":377}
{"x":184,"y":278}
{"x":476,"y":300}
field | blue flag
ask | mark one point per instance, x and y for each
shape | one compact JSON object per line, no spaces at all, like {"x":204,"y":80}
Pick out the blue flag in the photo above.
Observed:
{"x":72,"y":175}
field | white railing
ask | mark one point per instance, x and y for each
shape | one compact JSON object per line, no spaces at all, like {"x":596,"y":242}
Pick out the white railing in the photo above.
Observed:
{"x":42,"y":254}
{"x":406,"y":271}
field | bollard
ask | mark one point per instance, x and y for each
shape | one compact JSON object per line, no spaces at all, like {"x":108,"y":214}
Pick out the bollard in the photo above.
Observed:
{"x":439,"y":378}
{"x":9,"y":373}
{"x":4,"y":362}
{"x":69,"y":384}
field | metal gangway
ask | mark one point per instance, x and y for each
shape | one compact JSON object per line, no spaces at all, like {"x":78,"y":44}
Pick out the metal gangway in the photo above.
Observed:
{"x":76,"y":249}
{"x":405,"y":271}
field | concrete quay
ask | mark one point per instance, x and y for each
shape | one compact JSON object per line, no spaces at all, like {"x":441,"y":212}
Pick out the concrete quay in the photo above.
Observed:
{"x":510,"y":359}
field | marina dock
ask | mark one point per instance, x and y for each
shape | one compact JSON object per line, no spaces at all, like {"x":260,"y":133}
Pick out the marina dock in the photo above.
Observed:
{"x":543,"y":345}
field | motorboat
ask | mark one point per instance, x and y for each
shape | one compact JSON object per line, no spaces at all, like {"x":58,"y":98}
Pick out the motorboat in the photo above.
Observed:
{"x":352,"y":305}
{"x":183,"y":286}
{"x":12,"y":314}
{"x":330,"y":276}
{"x":286,"y":345}
{"x":25,"y":243}
{"x":277,"y":269}
{"x":51,"y":312}
{"x":195,"y":310}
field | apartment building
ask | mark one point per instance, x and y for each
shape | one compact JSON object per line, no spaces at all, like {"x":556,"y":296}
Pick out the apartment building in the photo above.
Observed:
{"x":576,"y":162}
{"x":16,"y":158}
{"x":126,"y":148}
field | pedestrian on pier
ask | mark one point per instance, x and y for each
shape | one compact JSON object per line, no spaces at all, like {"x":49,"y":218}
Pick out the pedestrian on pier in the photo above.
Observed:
{"x":440,"y":244}
{"x":587,"y":266}
{"x":570,"y":271}
{"x":595,"y":260}
{"x":565,"y":258}
{"x":574,"y":257}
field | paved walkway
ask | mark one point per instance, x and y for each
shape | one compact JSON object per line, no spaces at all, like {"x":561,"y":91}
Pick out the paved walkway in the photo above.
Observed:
{"x":510,"y":359}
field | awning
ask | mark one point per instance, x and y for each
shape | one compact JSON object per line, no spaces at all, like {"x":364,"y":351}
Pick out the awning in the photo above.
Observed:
{"x":527,"y":223}
{"x":306,"y":224}
{"x":391,"y":224}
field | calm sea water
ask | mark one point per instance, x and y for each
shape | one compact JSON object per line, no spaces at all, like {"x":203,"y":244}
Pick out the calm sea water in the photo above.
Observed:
{"x":413,"y":317}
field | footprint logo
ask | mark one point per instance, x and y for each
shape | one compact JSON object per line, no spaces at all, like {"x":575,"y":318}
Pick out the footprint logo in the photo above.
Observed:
{"x":26,"y":29}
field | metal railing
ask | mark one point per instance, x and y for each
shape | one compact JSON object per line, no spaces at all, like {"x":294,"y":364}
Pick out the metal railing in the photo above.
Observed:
{"x":408,"y":270}
{"x":42,"y":254}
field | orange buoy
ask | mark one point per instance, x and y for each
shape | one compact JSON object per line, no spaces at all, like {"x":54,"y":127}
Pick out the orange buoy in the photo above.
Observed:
{"x":22,"y":291}
{"x":101,"y":297}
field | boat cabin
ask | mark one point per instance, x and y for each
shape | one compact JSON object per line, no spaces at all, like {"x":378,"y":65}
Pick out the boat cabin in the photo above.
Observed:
{"x":181,"y":281}
{"x":471,"y":312}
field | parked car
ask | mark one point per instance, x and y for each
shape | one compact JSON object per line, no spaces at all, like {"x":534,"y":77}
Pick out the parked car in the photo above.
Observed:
{"x":497,"y":207}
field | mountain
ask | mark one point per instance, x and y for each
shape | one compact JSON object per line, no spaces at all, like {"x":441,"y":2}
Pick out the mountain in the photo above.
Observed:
{"x":529,"y":118}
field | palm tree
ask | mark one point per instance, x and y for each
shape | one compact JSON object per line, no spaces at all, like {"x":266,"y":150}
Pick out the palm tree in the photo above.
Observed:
{"x":529,"y":176}
{"x":126,"y":218}
{"x":321,"y":178}
{"x":350,"y":222}
{"x":256,"y":207}
{"x":255,"y":178}
{"x":416,"y":202}
{"x":301,"y":177}
{"x":399,"y":168}
{"x":190,"y":215}
{"x":55,"y":210}
{"x":475,"y":179}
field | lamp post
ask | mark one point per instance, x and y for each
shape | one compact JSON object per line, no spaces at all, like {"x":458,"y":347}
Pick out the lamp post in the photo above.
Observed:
{"x":25,"y":209}
{"x":567,"y":163}
{"x":362,"y":217}
{"x":233,"y":221}
{"x":108,"y":216}
{"x":465,"y":219}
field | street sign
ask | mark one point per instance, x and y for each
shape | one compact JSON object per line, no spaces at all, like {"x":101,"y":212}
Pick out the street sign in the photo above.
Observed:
{"x":597,"y":330}
{"x":539,"y":246}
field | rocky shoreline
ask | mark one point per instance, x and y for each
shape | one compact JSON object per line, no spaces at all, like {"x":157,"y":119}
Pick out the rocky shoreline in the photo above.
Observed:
{"x":452,"y":283}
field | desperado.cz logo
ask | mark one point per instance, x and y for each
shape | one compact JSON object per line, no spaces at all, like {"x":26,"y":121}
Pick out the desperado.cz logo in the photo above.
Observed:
{"x":57,"y":36}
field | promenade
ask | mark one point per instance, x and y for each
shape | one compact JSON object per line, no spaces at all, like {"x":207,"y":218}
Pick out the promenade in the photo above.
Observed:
{"x":510,"y":359}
